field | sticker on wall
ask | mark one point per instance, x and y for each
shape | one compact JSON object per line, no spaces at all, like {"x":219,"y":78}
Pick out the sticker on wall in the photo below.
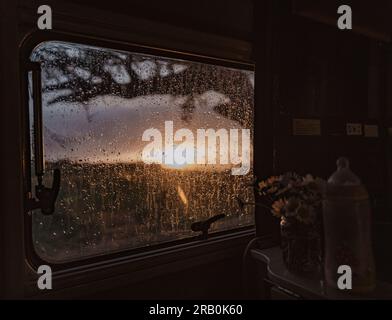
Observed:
{"x":371,"y":131}
{"x":354,"y":129}
{"x":306,"y":127}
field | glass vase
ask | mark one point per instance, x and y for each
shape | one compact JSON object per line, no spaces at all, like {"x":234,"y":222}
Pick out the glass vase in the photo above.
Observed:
{"x":301,"y":246}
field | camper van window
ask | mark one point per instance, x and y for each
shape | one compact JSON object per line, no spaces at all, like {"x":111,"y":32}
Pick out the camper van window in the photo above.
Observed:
{"x":125,"y":130}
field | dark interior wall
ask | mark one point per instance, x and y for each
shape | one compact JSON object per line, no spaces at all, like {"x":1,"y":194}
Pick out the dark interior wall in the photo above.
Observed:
{"x":11,"y":216}
{"x":336,"y":77}
{"x":219,"y":280}
{"x":231,"y":18}
{"x":371,"y":18}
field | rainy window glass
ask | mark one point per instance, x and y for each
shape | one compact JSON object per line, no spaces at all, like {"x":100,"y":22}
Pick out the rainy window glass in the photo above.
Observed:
{"x":97,"y":105}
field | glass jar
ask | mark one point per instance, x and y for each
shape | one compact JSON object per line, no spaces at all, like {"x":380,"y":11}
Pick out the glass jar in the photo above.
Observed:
{"x":347,"y":229}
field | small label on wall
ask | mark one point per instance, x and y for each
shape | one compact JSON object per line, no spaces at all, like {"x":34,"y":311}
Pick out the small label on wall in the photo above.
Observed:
{"x":306,"y":127}
{"x":354,"y":129}
{"x":371,"y":131}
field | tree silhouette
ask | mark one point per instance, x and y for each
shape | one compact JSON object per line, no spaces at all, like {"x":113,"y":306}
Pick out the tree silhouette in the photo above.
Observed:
{"x":79,"y":73}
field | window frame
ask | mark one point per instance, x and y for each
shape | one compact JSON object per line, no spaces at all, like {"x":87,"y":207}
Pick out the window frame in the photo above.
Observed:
{"x":28,"y":44}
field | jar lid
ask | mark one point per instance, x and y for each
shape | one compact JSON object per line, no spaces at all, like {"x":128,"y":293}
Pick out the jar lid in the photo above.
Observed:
{"x":344,"y":183}
{"x":343,"y":176}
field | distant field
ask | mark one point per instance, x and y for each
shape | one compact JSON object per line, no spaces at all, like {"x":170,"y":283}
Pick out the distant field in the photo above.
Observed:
{"x":108,"y":207}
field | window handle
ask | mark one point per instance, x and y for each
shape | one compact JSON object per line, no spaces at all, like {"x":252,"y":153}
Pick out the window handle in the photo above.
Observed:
{"x":205,"y":225}
{"x":242,"y":204}
{"x":45,"y":197}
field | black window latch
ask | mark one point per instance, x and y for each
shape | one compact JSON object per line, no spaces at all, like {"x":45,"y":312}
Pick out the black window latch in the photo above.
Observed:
{"x":205,"y":225}
{"x":46,"y":197}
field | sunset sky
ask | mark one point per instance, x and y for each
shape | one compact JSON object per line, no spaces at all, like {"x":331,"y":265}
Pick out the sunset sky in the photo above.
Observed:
{"x":108,"y":127}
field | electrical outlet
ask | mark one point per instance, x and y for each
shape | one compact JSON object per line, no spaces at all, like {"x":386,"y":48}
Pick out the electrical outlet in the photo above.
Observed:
{"x":354,"y":129}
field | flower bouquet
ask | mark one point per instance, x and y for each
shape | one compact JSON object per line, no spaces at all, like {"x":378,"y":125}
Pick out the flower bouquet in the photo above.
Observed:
{"x":297,"y":201}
